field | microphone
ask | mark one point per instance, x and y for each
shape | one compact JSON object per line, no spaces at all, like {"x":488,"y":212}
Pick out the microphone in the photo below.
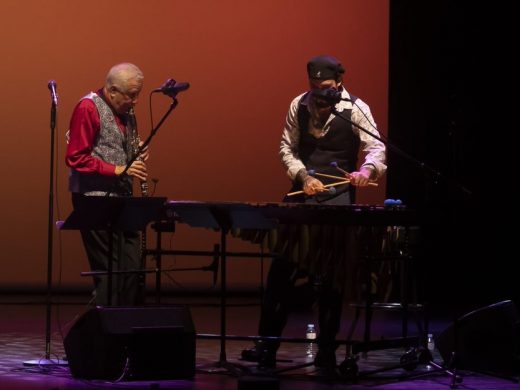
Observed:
{"x":54,"y":95}
{"x":326,"y":97}
{"x":171,"y":88}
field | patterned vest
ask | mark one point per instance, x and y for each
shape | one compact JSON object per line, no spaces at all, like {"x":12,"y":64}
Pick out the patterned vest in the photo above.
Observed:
{"x":111,"y":146}
{"x":340,"y":144}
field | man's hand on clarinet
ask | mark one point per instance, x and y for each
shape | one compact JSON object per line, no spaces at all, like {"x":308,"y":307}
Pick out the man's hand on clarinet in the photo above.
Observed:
{"x":137,"y":169}
{"x":145,"y":153}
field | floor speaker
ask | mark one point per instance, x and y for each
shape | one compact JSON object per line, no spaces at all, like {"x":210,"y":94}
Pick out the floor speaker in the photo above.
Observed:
{"x":487,"y":339}
{"x":141,"y":343}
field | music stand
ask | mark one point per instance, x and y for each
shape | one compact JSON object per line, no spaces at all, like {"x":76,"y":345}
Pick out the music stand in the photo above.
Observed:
{"x":112,"y":214}
{"x":223,"y":217}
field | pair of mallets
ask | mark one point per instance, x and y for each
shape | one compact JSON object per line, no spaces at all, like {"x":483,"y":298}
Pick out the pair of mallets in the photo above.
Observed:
{"x":332,"y":190}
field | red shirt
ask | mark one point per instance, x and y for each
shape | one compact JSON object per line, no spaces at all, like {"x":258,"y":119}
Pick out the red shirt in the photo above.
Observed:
{"x":83,"y":131}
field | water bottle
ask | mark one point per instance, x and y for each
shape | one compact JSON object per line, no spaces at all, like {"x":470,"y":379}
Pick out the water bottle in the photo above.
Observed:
{"x":310,"y":334}
{"x":430,"y":343}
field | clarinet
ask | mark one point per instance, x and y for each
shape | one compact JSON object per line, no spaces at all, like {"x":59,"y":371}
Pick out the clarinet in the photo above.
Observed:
{"x":143,"y":184}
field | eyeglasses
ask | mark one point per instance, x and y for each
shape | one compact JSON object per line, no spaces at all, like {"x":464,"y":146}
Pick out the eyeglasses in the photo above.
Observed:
{"x":130,"y":96}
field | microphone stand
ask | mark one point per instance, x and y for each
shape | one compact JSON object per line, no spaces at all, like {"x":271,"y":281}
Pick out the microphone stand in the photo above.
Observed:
{"x":423,"y":356}
{"x":154,"y":130}
{"x":50,"y":227}
{"x":449,"y":367}
{"x":152,"y":134}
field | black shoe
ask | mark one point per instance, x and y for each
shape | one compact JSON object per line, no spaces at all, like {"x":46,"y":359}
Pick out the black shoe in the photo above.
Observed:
{"x":325,"y":363}
{"x":253,"y":354}
{"x":325,"y":358}
{"x":265,"y":357}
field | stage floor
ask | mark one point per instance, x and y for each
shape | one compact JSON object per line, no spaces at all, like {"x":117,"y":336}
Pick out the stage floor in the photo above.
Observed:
{"x":22,"y":339}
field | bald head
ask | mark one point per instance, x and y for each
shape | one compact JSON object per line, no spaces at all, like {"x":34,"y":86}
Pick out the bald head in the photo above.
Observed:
{"x":121,"y":75}
{"x":122,"y":87}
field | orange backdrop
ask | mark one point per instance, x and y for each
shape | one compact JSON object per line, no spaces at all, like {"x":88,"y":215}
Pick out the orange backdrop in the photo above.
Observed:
{"x":245,"y":61}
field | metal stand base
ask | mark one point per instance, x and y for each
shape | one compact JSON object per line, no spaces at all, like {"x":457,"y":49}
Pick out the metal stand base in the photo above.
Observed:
{"x":45,"y":362}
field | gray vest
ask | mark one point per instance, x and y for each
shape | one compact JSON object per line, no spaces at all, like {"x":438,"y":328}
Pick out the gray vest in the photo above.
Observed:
{"x":111,"y":146}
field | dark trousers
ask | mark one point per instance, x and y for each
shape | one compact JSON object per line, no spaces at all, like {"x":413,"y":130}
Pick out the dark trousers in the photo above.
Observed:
{"x":125,"y":256}
{"x":276,"y":305}
{"x":280,"y":282}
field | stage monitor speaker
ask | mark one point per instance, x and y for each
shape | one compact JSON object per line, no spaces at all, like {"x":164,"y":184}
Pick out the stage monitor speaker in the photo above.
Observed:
{"x":135,"y":342}
{"x":487,"y":339}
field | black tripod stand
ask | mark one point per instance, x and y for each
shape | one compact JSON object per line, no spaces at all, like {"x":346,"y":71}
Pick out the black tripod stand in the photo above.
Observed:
{"x":483,"y":341}
{"x":46,"y":360}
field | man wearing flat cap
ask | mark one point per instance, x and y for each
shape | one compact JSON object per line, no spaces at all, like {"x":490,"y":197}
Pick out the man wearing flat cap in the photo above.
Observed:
{"x":320,"y":137}
{"x":315,"y":136}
